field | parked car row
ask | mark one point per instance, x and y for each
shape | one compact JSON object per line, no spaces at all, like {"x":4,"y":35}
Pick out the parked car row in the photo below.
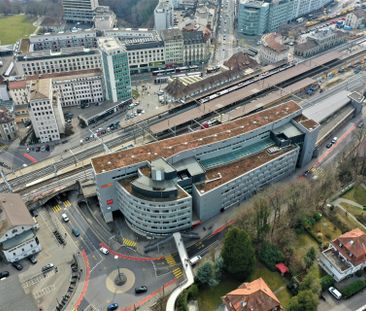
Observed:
{"x":42,"y":148}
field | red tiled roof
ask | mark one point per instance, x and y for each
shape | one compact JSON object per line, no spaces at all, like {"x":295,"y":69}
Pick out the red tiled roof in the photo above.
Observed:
{"x":253,"y":296}
{"x":352,"y":245}
{"x":21,"y":84}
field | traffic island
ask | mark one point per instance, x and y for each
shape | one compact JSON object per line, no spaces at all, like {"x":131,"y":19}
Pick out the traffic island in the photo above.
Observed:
{"x":114,"y":276}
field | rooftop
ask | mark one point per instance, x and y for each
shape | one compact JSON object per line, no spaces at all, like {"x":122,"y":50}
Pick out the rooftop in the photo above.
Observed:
{"x":111,"y":44}
{"x":253,"y":296}
{"x":273,"y":41}
{"x":306,"y":122}
{"x":21,"y":84}
{"x":240,"y":61}
{"x":169,"y":147}
{"x":13,"y":212}
{"x":5,"y":116}
{"x":64,"y":52}
{"x":172,"y":34}
{"x":40,"y":89}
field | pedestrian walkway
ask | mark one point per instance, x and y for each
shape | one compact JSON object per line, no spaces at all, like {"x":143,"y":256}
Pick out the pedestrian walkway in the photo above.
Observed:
{"x":67,"y":203}
{"x":129,"y":243}
{"x":57,"y":208}
{"x":170,"y":260}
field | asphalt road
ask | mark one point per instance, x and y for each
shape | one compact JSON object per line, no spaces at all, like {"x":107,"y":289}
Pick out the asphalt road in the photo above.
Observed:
{"x":352,"y":304}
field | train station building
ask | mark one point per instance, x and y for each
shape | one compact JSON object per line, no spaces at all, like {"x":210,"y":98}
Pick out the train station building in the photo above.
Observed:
{"x":165,"y":186}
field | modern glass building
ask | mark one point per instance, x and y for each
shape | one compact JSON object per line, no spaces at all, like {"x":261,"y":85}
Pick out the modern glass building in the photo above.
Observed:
{"x":115,"y":69}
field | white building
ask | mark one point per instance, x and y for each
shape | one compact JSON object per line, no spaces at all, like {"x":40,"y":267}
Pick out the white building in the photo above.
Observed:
{"x":79,"y":10}
{"x":195,"y":47}
{"x":164,"y":15}
{"x":17,"y":229}
{"x":272,"y":49}
{"x":174,"y":46}
{"x":8,"y":128}
{"x":45,"y":111}
{"x":79,"y":88}
{"x":345,"y":255}
{"x":68,"y":59}
{"x":356,"y":19}
{"x":104,"y":18}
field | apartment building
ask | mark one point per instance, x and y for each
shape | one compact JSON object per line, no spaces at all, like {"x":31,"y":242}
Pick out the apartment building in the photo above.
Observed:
{"x":272,"y":49}
{"x":164,"y":15}
{"x":63,"y":39}
{"x":174,"y":45}
{"x":79,"y":10}
{"x":164,"y":186}
{"x":115,"y":69}
{"x":45,"y":111}
{"x":18,"y":92}
{"x":195,"y":47}
{"x":18,"y":238}
{"x":8,"y":128}
{"x":104,"y":18}
{"x":66,"y":60}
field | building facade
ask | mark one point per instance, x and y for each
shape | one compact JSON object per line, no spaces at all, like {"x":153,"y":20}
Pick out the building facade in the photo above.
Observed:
{"x":18,"y":238}
{"x":164,"y":15}
{"x":195,"y":47}
{"x":45,"y":112}
{"x":18,"y":91}
{"x":67,"y":60}
{"x":115,"y":69}
{"x":256,"y":17}
{"x":79,"y":10}
{"x":345,"y":255}
{"x":272,"y":49}
{"x":160,"y":186}
{"x":104,"y":18}
{"x":174,"y":45}
{"x":356,"y":19}
{"x":78,"y":89}
{"x":8,"y":128}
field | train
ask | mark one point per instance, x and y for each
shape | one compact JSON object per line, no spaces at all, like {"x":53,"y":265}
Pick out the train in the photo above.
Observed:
{"x":169,"y":71}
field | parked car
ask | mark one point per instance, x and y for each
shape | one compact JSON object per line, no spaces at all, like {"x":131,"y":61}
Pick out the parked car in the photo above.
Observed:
{"x":360,"y":124}
{"x":329,"y":145}
{"x":335,"y":293}
{"x":43,"y":148}
{"x":38,"y":149}
{"x":334,"y":140}
{"x":48,"y":267}
{"x":112,"y":306}
{"x":141,"y":289}
{"x":4,"y":274}
{"x":104,"y":251}
{"x":17,"y":265}
{"x":75,"y":232}
{"x":65,"y":218}
{"x":34,"y":213}
{"x":32,"y":259}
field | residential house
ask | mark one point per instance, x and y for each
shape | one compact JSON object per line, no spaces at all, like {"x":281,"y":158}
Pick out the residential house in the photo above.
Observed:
{"x":345,"y":255}
{"x":253,"y":296}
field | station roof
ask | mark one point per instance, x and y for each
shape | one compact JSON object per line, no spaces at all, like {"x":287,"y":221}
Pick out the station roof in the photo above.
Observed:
{"x":328,"y":106}
{"x":172,"y":146}
{"x":244,"y":92}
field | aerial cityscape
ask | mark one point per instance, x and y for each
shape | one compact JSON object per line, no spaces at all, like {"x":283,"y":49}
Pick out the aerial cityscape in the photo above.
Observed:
{"x":182,"y":155}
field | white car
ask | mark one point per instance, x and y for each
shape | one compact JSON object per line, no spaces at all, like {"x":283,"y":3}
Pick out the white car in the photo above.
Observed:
{"x":335,"y":293}
{"x":65,"y":218}
{"x":104,"y":251}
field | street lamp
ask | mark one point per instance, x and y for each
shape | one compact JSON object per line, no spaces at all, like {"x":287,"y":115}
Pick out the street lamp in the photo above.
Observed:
{"x":121,"y":278}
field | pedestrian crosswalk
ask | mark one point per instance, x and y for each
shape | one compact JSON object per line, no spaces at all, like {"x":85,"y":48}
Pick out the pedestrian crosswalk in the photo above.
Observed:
{"x":57,"y":208}
{"x":170,"y":260}
{"x":60,"y":206}
{"x":129,"y":243}
{"x":177,"y":272}
{"x":318,"y":171}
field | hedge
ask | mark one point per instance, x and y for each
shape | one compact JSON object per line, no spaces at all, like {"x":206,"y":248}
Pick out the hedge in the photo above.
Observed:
{"x":353,"y":288}
{"x":326,"y":282}
{"x":270,"y":255}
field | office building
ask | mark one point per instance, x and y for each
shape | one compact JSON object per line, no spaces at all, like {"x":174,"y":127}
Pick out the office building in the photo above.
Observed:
{"x":256,"y":17}
{"x":45,"y":111}
{"x":18,"y":92}
{"x":164,"y":186}
{"x":49,"y":62}
{"x":195,"y":47}
{"x":115,"y":69}
{"x":8,"y":128}
{"x":104,"y":18}
{"x":164,"y":15}
{"x":79,"y":10}
{"x":18,"y":238}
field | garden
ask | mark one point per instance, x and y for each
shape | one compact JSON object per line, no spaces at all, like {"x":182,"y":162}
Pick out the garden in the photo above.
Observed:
{"x":12,"y":28}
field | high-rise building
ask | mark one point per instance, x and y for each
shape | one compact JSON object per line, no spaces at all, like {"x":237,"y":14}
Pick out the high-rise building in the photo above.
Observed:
{"x":164,"y":15}
{"x":115,"y":68}
{"x":253,"y":16}
{"x":79,"y":10}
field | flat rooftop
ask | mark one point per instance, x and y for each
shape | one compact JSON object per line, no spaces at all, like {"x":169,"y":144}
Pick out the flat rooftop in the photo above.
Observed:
{"x":219,"y":175}
{"x":169,"y":147}
{"x":40,"y":89}
{"x":67,"y":75}
{"x":110,"y":44}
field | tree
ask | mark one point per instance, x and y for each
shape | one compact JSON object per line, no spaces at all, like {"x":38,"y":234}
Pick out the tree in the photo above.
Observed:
{"x":262,"y":213}
{"x":238,"y":253}
{"x":312,"y":281}
{"x":304,"y":301}
{"x":206,"y":274}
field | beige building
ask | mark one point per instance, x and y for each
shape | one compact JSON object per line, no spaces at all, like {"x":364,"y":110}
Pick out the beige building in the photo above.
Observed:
{"x":174,"y":46}
{"x":18,"y":238}
{"x":8,"y":128}
{"x":195,"y":47}
{"x":18,"y":92}
{"x":272,"y":49}
{"x":356,"y":19}
{"x":104,"y":18}
{"x":45,"y":111}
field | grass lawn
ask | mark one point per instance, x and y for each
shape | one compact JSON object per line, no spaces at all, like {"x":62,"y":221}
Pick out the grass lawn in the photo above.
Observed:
{"x":347,"y":220}
{"x":14,"y":27}
{"x":352,"y":209}
{"x":327,"y":230}
{"x":210,"y":298}
{"x":357,"y":194}
{"x":303,"y":243}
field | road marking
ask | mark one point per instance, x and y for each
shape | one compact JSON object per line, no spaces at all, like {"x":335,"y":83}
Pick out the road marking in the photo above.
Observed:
{"x":44,"y":291}
{"x":177,"y":272}
{"x":57,"y":208}
{"x":129,"y":243}
{"x":170,"y":260}
{"x":67,"y":203}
